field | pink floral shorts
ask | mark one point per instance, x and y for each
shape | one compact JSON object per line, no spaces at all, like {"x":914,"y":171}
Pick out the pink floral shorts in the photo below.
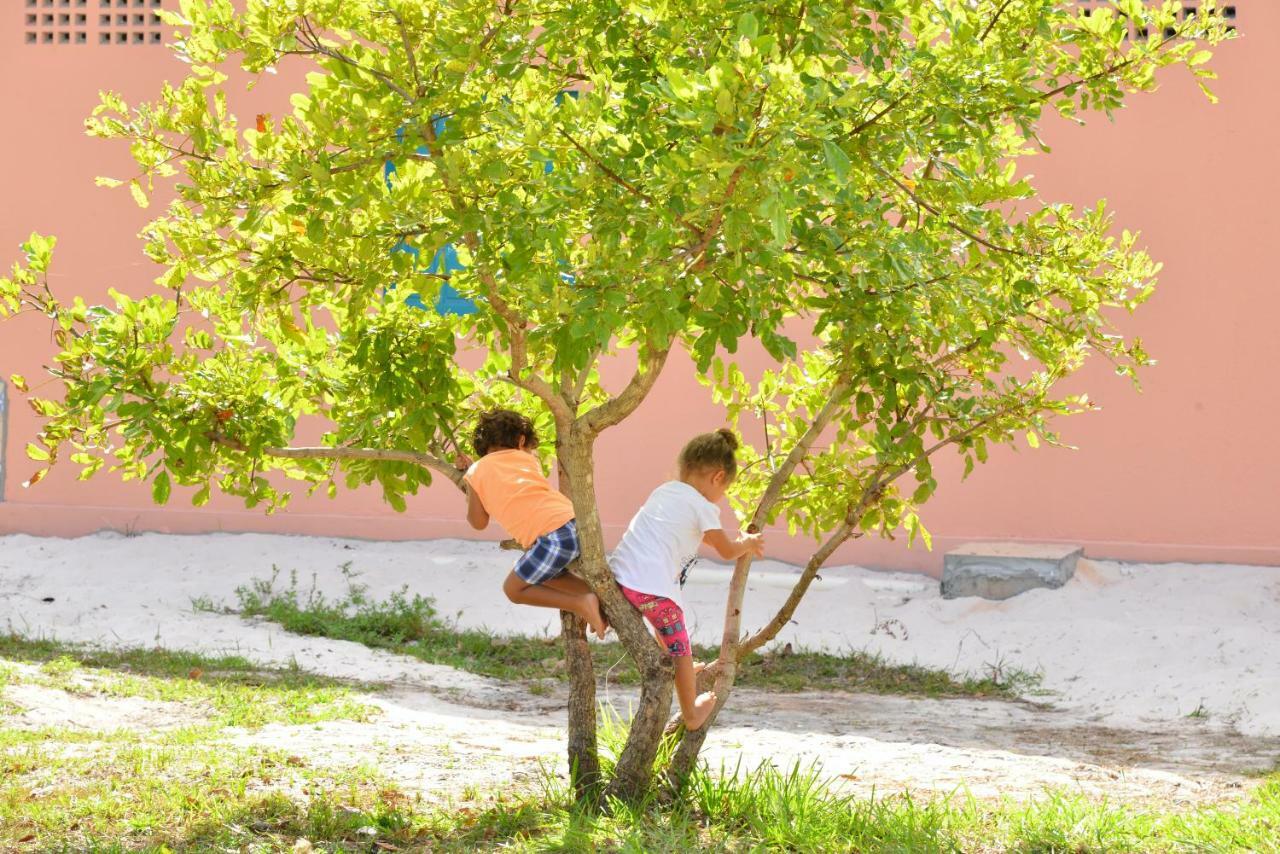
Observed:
{"x":665,"y":616}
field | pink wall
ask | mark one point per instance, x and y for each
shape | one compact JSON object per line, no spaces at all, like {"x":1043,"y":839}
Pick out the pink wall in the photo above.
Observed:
{"x":1183,"y":471}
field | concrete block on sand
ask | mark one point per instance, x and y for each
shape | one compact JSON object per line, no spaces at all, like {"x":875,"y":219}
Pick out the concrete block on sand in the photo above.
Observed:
{"x":1001,"y":570}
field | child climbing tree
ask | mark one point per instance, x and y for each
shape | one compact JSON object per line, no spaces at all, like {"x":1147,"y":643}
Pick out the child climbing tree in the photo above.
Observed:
{"x":837,"y":182}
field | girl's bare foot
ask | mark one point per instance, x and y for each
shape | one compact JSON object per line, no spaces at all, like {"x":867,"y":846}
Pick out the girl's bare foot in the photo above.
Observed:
{"x":592,"y":614}
{"x":702,"y":707}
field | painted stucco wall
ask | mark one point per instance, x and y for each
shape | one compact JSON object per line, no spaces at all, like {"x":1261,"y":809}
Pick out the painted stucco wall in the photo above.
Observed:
{"x":1184,"y":471}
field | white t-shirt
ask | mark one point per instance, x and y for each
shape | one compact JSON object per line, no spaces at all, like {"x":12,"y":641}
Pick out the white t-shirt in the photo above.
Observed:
{"x":662,"y":540}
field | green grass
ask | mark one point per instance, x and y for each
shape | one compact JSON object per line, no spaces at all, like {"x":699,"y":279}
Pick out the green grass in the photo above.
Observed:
{"x":221,"y":691}
{"x":159,"y":800}
{"x":410,"y":625}
{"x":193,"y":790}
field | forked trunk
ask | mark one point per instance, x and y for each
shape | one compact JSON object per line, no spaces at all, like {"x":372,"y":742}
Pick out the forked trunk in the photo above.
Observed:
{"x":634,"y":772}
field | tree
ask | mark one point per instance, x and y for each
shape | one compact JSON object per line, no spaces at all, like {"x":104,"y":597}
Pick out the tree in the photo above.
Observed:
{"x":836,"y":182}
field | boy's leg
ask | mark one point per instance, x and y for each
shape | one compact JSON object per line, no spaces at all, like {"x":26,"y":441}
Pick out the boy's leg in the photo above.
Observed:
{"x":535,"y":579}
{"x":573,"y":585}
{"x":585,"y":605}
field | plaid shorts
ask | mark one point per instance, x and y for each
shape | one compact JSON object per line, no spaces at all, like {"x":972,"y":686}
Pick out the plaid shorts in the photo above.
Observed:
{"x":666,"y":617}
{"x":549,"y":555}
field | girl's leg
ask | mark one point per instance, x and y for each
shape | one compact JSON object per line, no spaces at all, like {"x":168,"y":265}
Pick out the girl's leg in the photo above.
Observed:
{"x":667,"y":618}
{"x":585,"y":605}
{"x":695,"y":708}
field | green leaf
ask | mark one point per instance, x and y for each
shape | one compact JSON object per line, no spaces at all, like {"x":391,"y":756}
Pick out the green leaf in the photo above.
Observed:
{"x":19,"y":382}
{"x":37,"y":453}
{"x":138,"y":195}
{"x":160,"y":488}
{"x":748,"y":25}
{"x":680,"y":84}
{"x":837,"y":160}
{"x":39,"y":251}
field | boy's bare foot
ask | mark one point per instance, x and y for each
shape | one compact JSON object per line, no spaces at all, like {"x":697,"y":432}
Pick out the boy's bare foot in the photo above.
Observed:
{"x":702,"y":707}
{"x":592,"y":614}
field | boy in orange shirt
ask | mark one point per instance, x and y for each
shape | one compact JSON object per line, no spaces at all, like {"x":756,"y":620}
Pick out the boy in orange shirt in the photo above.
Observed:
{"x":506,"y":484}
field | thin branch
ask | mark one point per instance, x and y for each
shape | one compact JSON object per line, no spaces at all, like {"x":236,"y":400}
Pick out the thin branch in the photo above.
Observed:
{"x":325,"y":453}
{"x":519,"y":345}
{"x":991,"y":26}
{"x":609,"y":173}
{"x":878,"y":116}
{"x":954,"y":226}
{"x":843,"y":532}
{"x":316,"y":46}
{"x":408,"y":52}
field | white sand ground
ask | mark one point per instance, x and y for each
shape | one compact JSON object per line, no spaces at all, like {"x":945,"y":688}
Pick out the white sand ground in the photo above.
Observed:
{"x":1126,"y":654}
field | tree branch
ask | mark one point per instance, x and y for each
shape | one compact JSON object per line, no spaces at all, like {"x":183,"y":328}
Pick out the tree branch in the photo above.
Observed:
{"x":609,"y":173}
{"x":625,"y":402}
{"x":843,"y":532}
{"x":408,"y":52}
{"x":878,"y":116}
{"x":325,"y":453}
{"x":954,"y":226}
{"x":991,"y":26}
{"x":313,"y":42}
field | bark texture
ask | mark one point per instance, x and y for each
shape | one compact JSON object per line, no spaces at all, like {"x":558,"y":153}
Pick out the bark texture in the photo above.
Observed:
{"x":584,"y":755}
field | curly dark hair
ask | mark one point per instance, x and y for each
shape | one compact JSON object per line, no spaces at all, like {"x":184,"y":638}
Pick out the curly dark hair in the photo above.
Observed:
{"x":711,"y":451}
{"x":502,"y":429}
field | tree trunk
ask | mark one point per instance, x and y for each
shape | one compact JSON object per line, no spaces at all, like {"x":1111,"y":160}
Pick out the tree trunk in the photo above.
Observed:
{"x":584,"y":757}
{"x":584,"y":754}
{"x":634,"y":771}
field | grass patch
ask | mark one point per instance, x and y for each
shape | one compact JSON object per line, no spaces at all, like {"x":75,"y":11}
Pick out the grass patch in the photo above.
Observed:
{"x":233,"y":690}
{"x":410,"y":625}
{"x":161,"y":800}
{"x":192,"y":790}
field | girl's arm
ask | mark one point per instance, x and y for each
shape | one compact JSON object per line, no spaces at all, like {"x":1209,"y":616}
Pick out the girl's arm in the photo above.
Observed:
{"x":728,"y":549}
{"x":476,"y":514}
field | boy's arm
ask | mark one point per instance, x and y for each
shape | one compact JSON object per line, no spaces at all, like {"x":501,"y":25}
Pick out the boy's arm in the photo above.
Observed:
{"x":728,"y":549}
{"x":476,"y":514}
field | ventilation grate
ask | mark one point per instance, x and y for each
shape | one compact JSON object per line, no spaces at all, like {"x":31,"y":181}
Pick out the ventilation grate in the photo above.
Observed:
{"x":1188,"y":10}
{"x":115,"y":22}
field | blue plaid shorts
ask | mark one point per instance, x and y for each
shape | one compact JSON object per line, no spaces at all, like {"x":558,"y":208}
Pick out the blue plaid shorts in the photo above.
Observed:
{"x":549,"y":556}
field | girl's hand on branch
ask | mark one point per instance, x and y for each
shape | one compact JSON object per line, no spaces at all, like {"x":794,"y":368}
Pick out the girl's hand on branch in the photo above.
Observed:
{"x":753,"y":544}
{"x":462,"y":462}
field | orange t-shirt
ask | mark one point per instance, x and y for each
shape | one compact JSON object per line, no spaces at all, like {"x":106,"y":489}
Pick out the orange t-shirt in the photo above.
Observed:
{"x":514,"y":493}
